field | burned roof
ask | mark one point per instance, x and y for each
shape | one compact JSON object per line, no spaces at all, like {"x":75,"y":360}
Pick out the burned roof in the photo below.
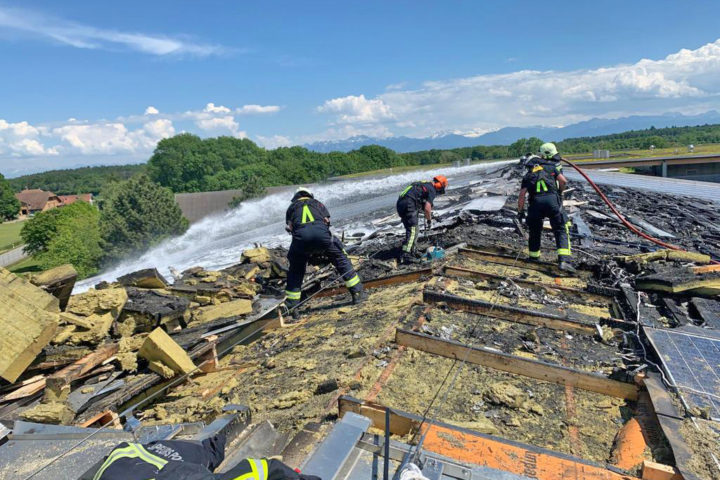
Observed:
{"x":487,"y":356}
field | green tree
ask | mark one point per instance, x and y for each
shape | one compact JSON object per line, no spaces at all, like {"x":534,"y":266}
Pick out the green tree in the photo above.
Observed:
{"x":39,"y":230}
{"x":137,"y":214}
{"x":524,"y":145}
{"x":9,"y":205}
{"x":65,"y":235}
{"x":76,"y":240}
{"x":179,"y":164}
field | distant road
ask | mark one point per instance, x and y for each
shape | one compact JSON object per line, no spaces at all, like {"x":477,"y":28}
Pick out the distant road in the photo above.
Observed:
{"x":13,"y":256}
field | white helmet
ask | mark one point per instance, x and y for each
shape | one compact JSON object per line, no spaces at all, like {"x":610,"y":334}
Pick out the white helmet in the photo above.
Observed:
{"x":548,"y":150}
{"x":302,"y":192}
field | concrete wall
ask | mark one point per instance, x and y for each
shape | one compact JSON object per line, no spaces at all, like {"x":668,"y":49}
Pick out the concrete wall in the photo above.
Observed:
{"x":707,"y":172}
{"x":199,"y":205}
{"x":196,"y":206}
{"x":12,"y":256}
{"x":702,"y":172}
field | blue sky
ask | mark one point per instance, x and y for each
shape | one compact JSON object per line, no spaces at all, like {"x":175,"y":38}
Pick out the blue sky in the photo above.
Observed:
{"x":88,"y":82}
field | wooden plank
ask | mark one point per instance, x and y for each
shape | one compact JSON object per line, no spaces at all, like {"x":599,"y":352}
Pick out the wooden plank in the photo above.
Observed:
{"x":518,"y":365}
{"x":399,"y":424}
{"x":476,"y":274}
{"x":706,"y":269}
{"x":659,"y":396}
{"x":74,"y":371}
{"x":521,"y":262}
{"x":381,"y":282}
{"x":512,"y":314}
{"x":683,"y":454}
{"x":29,"y":387}
{"x":658,"y":471}
{"x":103,"y":418}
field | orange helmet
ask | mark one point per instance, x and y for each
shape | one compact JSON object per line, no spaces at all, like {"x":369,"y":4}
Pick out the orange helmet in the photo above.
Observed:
{"x":440,"y":183}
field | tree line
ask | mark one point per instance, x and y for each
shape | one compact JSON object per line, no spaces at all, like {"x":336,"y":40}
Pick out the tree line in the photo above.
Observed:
{"x":77,"y":180}
{"x":137,"y":208}
{"x":133,"y":215}
{"x":188,"y":163}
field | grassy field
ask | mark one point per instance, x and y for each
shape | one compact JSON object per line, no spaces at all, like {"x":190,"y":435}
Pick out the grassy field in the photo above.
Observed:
{"x":10,"y":235}
{"x":706,"y":149}
{"x":23,"y":267}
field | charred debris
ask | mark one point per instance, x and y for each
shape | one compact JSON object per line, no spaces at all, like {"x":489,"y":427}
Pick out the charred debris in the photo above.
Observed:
{"x":614,"y":370}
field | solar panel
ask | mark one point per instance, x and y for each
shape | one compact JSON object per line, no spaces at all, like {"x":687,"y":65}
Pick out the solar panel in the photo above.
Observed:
{"x":691,"y":359}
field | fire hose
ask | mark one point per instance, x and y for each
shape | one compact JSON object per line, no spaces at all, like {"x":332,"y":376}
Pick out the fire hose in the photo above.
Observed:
{"x":620,"y":216}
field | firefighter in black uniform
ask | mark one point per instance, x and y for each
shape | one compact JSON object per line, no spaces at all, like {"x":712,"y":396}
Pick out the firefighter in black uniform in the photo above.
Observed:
{"x":309,"y":223}
{"x":187,"y":460}
{"x":545,"y":182}
{"x":415,"y":198}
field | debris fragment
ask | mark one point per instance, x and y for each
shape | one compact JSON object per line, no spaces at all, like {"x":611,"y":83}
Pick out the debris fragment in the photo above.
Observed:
{"x":55,"y":413}
{"x":148,"y":278}
{"x":158,"y":346}
{"x":224,"y":310}
{"x":109,"y":300}
{"x":58,"y":281}
{"x":256,"y":255}
{"x":28,"y":322}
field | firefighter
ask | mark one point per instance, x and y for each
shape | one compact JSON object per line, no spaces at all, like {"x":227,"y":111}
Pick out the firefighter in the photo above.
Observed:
{"x":187,"y":460}
{"x":309,"y":223}
{"x":415,"y":198}
{"x":529,"y":159}
{"x":545,"y":182}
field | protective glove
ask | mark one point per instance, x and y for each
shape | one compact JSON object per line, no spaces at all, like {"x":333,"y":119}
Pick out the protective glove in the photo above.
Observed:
{"x":521,"y":216}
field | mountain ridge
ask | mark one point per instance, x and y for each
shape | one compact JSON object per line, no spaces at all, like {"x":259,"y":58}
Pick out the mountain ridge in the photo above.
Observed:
{"x":508,"y":135}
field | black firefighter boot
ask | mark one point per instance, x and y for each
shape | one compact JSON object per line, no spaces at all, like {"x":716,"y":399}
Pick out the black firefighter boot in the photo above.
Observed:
{"x":565,"y":265}
{"x":292,"y":308}
{"x":359,"y":295}
{"x":409,"y":258}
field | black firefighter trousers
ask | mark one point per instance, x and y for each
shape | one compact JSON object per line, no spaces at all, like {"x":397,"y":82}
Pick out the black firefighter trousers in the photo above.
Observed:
{"x":407,"y":209}
{"x":542,"y":207}
{"x":313,"y":239}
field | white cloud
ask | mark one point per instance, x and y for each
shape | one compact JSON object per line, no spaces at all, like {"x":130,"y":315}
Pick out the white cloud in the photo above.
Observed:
{"x":357,"y":109}
{"x":152,"y":132}
{"x":151,"y":110}
{"x":396,"y":86}
{"x":274,"y":141}
{"x":216,"y":119}
{"x":257,"y":109}
{"x":211,"y":108}
{"x":96,"y":138}
{"x":218,"y":123}
{"x":30,"y":146}
{"x":112,"y":138}
{"x":21,"y":139}
{"x":84,"y":36}
{"x":684,"y":82}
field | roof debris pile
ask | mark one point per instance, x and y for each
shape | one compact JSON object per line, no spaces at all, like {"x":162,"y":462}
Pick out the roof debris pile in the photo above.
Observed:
{"x":604,"y":374}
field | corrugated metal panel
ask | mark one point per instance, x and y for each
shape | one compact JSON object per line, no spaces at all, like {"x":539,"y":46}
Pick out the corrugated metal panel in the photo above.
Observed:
{"x":672,"y":186}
